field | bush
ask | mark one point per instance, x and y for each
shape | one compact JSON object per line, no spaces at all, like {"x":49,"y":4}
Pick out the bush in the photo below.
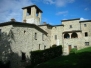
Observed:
{"x":6,"y":65}
{"x":73,"y":51}
{"x":40,"y":56}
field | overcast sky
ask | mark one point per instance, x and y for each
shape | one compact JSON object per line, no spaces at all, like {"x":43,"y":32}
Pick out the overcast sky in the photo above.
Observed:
{"x":53,"y":10}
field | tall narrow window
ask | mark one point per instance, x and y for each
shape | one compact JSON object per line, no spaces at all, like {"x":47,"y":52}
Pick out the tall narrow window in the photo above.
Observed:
{"x":43,"y":37}
{"x":55,"y":37}
{"x":70,"y":26}
{"x":39,"y":46}
{"x":85,"y":25}
{"x":35,"y":36}
{"x":86,"y":34}
{"x":23,"y":56}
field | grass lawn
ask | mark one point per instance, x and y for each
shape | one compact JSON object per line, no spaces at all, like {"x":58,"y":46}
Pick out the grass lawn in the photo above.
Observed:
{"x":82,"y":59}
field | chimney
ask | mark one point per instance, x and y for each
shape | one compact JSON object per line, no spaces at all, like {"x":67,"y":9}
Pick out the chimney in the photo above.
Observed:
{"x":44,"y":23}
{"x":12,"y":20}
{"x":24,"y":21}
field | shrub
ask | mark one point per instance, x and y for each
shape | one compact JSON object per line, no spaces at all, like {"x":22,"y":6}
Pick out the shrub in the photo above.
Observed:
{"x":54,"y":45}
{"x":73,"y":51}
{"x":40,"y":56}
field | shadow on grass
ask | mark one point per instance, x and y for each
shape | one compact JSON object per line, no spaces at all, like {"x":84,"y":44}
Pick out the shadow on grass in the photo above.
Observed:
{"x":79,"y":60}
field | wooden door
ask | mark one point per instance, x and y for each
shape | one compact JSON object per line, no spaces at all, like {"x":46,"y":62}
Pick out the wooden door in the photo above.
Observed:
{"x":69,"y":47}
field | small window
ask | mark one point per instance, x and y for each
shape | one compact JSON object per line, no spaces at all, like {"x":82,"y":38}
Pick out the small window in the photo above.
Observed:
{"x":24,"y":31}
{"x":74,"y":35}
{"x":70,"y":26}
{"x":86,"y":34}
{"x":23,"y":56}
{"x":87,"y":43}
{"x":35,"y":36}
{"x":75,"y":47}
{"x":66,"y":35}
{"x":39,"y":46}
{"x":44,"y":46}
{"x":43,"y":37}
{"x":85,"y":25}
{"x":55,"y":37}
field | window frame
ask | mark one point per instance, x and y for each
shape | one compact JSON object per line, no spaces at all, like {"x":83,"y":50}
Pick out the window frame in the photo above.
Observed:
{"x":86,"y":43}
{"x":23,"y":56}
{"x":35,"y":36}
{"x":70,"y":26}
{"x":55,"y":37}
{"x":39,"y":46}
{"x":86,"y":34}
{"x":85,"y":25}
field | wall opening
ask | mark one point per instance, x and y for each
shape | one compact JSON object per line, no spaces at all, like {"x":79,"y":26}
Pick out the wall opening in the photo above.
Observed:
{"x":39,"y":46}
{"x":35,"y":36}
{"x":66,"y":35}
{"x":86,"y":34}
{"x":23,"y":56}
{"x":74,"y":35}
{"x":28,"y":11}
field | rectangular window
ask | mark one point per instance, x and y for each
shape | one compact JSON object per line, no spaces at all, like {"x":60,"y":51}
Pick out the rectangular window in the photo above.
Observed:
{"x":87,"y":43}
{"x":86,"y":34}
{"x":75,"y":47}
{"x":44,"y":46}
{"x":70,"y":26}
{"x":43,"y":37}
{"x":85,"y":25}
{"x":23,"y":56}
{"x":55,"y":37}
{"x":35,"y":36}
{"x":39,"y":46}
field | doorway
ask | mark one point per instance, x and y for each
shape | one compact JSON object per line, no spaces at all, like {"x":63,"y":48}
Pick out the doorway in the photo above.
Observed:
{"x":69,"y":47}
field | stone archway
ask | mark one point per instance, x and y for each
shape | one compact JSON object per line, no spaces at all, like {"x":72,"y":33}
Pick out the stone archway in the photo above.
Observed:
{"x":74,"y":35}
{"x":66,"y":35}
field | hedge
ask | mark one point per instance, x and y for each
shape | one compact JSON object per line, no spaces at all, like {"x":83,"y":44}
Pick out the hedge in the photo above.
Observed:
{"x":40,"y":56}
{"x":6,"y":65}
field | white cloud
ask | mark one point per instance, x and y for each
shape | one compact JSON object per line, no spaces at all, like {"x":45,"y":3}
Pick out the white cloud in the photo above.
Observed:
{"x":12,"y":9}
{"x":49,"y":1}
{"x":59,"y":3}
{"x":86,"y":9}
{"x":83,"y":19}
{"x":62,"y":12}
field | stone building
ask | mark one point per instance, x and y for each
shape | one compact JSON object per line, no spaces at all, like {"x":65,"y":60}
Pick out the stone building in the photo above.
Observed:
{"x":18,"y":39}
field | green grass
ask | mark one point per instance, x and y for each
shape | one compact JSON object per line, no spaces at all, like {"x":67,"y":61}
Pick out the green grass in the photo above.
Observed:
{"x":88,"y":49}
{"x":82,"y":59}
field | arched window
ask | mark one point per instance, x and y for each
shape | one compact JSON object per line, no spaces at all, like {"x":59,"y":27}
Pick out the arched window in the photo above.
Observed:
{"x":66,"y":35}
{"x":74,"y":35}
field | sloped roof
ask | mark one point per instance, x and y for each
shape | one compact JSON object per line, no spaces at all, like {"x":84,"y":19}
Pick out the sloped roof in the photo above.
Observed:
{"x":21,"y":23}
{"x":85,"y":21}
{"x":70,"y":19}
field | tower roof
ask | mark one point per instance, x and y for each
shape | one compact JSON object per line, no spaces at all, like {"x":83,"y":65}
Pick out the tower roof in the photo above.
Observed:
{"x":33,"y":6}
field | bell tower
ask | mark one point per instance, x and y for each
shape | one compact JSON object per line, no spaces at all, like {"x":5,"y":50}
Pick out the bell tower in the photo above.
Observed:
{"x":32,"y":14}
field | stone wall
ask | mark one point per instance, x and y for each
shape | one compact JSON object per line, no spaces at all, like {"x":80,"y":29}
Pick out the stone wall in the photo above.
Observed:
{"x":24,"y":41}
{"x":57,"y":30}
{"x":75,"y":25}
{"x":5,"y":49}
